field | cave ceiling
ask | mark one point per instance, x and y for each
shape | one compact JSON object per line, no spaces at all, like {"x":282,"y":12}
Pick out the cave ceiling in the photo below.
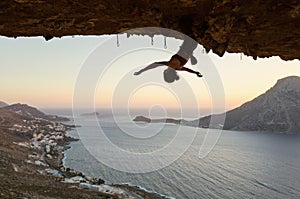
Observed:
{"x":259,"y":28}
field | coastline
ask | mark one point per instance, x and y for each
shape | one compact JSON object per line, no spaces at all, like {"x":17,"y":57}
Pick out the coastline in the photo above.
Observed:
{"x":153,"y":194}
{"x":58,"y":163}
{"x":127,"y":187}
{"x":24,"y":171}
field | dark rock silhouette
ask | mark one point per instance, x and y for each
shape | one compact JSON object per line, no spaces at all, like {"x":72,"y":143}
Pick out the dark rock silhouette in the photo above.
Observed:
{"x":142,"y":119}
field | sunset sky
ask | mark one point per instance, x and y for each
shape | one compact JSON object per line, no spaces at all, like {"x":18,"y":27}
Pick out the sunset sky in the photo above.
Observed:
{"x":43,"y":73}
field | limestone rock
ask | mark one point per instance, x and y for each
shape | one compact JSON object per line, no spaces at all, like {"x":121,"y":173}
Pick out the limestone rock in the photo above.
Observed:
{"x":256,"y":28}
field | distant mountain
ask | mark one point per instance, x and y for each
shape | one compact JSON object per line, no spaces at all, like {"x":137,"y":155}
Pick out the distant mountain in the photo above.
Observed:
{"x":90,"y":114}
{"x":32,"y":112}
{"x":277,"y":110}
{"x":2,"y":104}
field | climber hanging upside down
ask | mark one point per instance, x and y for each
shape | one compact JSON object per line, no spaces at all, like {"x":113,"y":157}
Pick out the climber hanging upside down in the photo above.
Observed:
{"x":176,"y":62}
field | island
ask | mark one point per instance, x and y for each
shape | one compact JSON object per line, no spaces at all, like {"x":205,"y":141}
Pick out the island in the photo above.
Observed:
{"x":97,"y":114}
{"x":277,"y":110}
{"x":167,"y":120}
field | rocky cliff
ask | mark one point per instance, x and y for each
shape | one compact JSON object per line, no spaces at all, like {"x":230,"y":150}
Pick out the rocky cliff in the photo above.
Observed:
{"x":276,"y":110}
{"x":256,"y":28}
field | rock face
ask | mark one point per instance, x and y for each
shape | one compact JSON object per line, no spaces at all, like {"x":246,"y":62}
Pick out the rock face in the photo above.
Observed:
{"x":31,"y":112}
{"x":256,"y":28}
{"x":2,"y":104}
{"x":277,"y":110}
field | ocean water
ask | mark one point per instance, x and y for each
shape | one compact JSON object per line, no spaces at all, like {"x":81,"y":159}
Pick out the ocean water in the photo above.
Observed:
{"x":241,"y":165}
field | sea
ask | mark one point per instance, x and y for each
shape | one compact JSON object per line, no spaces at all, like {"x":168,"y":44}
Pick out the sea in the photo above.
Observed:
{"x":240,"y":165}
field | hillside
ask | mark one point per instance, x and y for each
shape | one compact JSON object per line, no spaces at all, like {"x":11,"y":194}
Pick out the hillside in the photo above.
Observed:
{"x":32,"y":112}
{"x":277,"y":110}
{"x":9,"y":118}
{"x":2,"y":104}
{"x":22,"y":177}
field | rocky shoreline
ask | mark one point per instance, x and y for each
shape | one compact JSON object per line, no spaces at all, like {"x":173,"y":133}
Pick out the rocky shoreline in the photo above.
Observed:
{"x":45,"y":143}
{"x":129,"y":190}
{"x":24,"y":171}
{"x":31,"y":160}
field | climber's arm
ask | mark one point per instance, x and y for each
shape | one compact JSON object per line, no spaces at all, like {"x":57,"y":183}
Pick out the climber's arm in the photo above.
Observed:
{"x":151,"y":66}
{"x":191,"y":71}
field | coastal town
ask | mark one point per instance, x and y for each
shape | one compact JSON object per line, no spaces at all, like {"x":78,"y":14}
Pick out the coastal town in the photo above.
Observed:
{"x":45,"y":142}
{"x":50,"y":139}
